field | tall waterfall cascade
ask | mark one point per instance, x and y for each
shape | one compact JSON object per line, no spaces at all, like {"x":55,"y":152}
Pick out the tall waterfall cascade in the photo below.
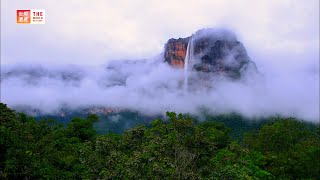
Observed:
{"x":188,"y":63}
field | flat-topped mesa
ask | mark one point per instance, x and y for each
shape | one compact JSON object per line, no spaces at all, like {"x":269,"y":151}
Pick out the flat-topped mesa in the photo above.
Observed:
{"x":214,"y":50}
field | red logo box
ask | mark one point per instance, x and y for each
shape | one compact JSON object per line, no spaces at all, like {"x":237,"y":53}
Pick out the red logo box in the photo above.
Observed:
{"x":23,"y":16}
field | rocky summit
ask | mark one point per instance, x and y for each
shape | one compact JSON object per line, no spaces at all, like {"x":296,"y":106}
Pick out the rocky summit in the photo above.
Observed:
{"x":212,"y":51}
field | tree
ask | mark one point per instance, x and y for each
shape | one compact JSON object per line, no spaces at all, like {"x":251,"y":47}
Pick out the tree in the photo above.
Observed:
{"x":292,"y":150}
{"x":82,"y":128}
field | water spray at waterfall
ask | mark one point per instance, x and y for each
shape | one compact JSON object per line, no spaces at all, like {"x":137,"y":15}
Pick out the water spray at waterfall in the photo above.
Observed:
{"x":187,"y":62}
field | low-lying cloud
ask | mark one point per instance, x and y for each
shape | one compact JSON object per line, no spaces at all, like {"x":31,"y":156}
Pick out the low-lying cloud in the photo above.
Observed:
{"x":153,"y":87}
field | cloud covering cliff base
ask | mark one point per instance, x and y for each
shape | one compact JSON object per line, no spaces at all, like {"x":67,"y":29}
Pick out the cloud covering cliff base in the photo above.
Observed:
{"x":153,"y":87}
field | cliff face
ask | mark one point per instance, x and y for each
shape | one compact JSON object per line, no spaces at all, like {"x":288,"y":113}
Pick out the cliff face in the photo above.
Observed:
{"x":175,"y":51}
{"x":214,"y":51}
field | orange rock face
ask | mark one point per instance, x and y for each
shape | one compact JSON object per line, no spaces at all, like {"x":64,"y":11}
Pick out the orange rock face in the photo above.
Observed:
{"x":177,"y":63}
{"x":175,"y":52}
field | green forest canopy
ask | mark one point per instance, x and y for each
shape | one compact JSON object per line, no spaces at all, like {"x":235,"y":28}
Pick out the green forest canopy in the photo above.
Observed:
{"x":180,"y":148}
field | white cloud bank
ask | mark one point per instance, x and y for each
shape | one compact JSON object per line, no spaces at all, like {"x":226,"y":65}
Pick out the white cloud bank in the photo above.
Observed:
{"x":153,"y":87}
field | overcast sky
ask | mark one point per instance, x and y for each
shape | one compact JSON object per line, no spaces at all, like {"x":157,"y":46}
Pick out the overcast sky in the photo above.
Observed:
{"x":93,"y":32}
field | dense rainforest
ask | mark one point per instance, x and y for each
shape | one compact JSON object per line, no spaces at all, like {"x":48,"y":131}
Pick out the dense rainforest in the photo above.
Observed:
{"x":180,"y":147}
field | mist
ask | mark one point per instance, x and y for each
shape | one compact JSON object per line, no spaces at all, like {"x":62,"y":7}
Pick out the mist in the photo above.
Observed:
{"x":153,"y":87}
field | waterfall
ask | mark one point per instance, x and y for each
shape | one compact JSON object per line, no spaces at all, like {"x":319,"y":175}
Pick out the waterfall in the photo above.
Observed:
{"x":187,"y":62}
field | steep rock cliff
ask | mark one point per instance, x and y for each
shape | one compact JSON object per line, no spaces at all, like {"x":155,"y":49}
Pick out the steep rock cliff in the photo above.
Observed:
{"x":213,"y":51}
{"x":175,"y":51}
